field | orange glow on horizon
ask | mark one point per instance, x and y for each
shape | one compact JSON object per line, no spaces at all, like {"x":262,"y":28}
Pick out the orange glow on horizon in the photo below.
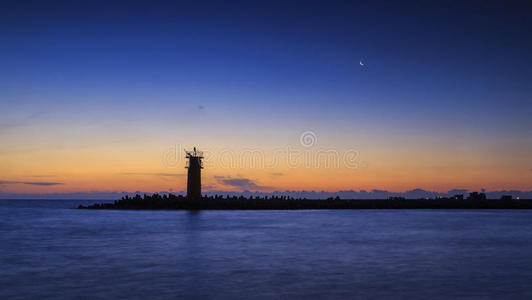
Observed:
{"x":157,"y":166}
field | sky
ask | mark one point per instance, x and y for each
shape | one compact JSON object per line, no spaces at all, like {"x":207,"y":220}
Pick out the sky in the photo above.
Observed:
{"x":104,"y":96}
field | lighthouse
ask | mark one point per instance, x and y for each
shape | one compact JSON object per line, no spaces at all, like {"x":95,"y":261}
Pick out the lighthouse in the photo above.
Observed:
{"x":194,"y":166}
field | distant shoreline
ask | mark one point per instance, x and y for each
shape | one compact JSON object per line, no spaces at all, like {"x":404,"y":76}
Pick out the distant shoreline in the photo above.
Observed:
{"x":157,"y":202}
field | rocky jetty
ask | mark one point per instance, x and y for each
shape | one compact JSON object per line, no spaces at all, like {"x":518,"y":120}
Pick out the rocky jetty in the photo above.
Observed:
{"x":219,"y":202}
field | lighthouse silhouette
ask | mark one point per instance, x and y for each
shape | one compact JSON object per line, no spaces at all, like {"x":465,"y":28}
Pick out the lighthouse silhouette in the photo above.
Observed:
{"x":194,"y":166}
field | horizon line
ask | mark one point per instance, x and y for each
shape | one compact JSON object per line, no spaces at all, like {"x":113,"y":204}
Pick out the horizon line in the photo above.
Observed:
{"x":311,"y":194}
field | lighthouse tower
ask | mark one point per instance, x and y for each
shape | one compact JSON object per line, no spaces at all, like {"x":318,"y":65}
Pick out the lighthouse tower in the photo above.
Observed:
{"x":194,"y":166}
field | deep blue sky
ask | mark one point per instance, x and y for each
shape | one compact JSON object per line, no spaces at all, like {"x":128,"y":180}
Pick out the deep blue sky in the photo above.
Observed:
{"x":456,"y":71}
{"x":444,"y":58}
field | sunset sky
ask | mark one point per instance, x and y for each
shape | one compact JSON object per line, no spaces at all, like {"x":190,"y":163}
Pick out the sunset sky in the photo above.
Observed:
{"x":98,"y":97}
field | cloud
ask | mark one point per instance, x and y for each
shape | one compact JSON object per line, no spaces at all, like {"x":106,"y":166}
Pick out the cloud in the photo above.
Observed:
{"x":201,"y":107}
{"x":277,"y":174}
{"x":40,"y":183}
{"x":43,"y":183}
{"x":239,"y":182}
{"x":21,"y":121}
{"x":154,"y":174}
{"x":243,"y":183}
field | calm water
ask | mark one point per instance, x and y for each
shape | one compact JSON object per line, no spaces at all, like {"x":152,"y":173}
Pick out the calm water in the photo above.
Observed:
{"x":48,"y":250}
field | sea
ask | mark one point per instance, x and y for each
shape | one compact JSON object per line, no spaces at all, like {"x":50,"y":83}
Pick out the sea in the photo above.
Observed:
{"x":51,"y":250}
